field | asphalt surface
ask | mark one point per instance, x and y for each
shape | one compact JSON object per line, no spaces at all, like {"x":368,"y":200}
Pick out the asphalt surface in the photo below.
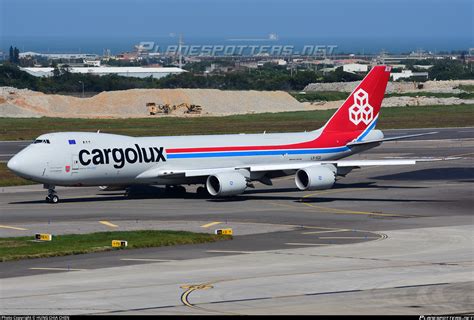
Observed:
{"x":9,"y":148}
{"x":385,"y":239}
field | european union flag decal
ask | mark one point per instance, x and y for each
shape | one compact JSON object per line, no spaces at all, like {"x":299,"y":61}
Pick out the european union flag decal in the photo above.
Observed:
{"x":72,"y":141}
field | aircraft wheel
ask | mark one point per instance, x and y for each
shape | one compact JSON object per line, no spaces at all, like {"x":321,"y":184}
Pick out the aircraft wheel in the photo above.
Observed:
{"x":54,"y":199}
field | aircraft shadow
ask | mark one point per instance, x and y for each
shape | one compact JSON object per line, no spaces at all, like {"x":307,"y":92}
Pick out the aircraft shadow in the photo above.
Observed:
{"x":252,"y":194}
{"x":432,"y":174}
{"x":316,"y":199}
{"x":244,"y":197}
{"x":368,"y":185}
{"x":332,"y":199}
{"x":72,"y":200}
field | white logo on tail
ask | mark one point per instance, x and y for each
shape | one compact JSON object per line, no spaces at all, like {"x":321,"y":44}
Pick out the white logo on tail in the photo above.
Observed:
{"x":361,"y":110}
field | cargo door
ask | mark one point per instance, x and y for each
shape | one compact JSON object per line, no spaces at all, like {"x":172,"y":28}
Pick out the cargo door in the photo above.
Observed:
{"x":75,"y":164}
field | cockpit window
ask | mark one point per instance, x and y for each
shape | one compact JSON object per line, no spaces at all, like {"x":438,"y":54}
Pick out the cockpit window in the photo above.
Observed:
{"x":41,"y":141}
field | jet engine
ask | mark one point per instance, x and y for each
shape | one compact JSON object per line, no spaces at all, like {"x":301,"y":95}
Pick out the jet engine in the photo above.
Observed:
{"x":316,"y":177}
{"x":226,"y":184}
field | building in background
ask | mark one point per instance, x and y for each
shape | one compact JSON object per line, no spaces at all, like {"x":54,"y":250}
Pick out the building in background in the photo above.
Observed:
{"x":408,"y":74}
{"x":58,"y":56}
{"x":355,"y":67}
{"x":137,"y":72}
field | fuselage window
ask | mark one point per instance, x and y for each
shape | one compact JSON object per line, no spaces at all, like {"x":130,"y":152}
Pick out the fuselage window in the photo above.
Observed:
{"x":41,"y":141}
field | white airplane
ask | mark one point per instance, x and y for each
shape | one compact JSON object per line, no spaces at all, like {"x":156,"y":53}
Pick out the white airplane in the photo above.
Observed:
{"x":225,"y":164}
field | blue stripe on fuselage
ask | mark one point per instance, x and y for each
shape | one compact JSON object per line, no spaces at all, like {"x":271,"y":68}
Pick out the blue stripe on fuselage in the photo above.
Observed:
{"x":253,"y":153}
{"x":369,"y":128}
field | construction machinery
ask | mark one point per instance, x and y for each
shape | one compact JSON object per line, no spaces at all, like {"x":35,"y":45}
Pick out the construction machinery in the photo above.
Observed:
{"x":190,"y":108}
{"x":154,"y":109}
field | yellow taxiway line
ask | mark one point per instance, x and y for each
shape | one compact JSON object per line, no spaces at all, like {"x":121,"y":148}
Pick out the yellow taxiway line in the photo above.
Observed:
{"x":332,"y":238}
{"x":109,"y":224}
{"x":190,"y":288}
{"x":326,"y":231}
{"x":210,"y":224}
{"x":14,"y":228}
{"x":343,"y":211}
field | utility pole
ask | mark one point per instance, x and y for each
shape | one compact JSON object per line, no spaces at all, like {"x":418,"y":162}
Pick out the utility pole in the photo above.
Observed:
{"x":180,"y":43}
{"x":82,"y":82}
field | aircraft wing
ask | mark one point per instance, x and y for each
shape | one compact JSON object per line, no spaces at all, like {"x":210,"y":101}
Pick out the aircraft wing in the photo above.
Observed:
{"x":343,"y":163}
{"x":170,"y":173}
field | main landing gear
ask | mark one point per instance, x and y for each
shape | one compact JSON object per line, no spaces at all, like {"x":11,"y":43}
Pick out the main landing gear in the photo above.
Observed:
{"x":52,"y":197}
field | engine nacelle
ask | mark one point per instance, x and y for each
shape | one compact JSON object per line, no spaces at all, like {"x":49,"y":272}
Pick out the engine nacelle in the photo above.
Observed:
{"x":318,"y":177}
{"x":226,"y":184}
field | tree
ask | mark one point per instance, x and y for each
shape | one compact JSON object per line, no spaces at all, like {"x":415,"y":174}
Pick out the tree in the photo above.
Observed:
{"x":56,"y":71}
{"x":10,"y":57}
{"x":65,"y":70}
{"x":16,"y":55}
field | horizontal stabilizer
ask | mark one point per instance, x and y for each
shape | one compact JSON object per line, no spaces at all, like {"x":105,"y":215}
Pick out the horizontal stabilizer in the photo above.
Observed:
{"x":358,"y":143}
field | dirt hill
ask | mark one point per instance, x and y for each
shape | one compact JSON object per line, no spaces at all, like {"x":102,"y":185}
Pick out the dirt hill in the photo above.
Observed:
{"x":132,"y":103}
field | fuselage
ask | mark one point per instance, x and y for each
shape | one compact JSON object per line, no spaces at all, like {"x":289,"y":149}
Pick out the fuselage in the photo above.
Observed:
{"x":87,"y":159}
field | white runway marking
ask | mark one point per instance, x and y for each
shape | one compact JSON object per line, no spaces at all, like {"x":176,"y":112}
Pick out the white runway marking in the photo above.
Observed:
{"x":305,"y":244}
{"x":146,"y":259}
{"x":229,"y":251}
{"x":58,"y":269}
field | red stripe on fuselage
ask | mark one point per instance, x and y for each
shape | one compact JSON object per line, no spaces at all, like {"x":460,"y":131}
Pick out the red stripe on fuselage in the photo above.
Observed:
{"x":328,"y":140}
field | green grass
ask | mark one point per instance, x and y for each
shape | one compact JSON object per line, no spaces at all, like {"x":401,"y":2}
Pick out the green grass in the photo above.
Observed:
{"x":391,"y":118}
{"x":8,"y":178}
{"x":462,"y":95}
{"x":427,"y":117}
{"x":466,"y":87}
{"x":61,"y":245}
{"x":337,"y":95}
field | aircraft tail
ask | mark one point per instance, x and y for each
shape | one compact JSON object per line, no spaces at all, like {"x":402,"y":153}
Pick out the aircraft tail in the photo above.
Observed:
{"x":360,"y":111}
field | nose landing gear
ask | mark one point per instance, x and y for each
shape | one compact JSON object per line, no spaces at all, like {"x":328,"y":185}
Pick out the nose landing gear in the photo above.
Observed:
{"x":52,"y":197}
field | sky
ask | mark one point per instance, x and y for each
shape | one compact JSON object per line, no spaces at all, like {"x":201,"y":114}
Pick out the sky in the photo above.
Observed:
{"x":389,"y":19}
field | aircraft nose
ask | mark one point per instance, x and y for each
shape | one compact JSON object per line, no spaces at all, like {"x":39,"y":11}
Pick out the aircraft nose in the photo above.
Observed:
{"x":21,"y":164}
{"x":14,"y":164}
